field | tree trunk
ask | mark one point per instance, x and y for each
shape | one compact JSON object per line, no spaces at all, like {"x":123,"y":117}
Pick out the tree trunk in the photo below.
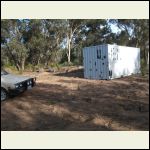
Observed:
{"x":69,"y":52}
{"x":22,"y":64}
{"x":18,"y":67}
{"x":148,"y":58}
{"x":69,"y":49}
{"x":148,"y":61}
{"x":38,"y":61}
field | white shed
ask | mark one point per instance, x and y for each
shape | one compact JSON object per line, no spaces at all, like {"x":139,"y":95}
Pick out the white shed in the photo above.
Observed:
{"x":110,"y":61}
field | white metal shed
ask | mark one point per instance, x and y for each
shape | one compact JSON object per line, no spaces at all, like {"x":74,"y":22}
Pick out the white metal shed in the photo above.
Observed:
{"x":110,"y":61}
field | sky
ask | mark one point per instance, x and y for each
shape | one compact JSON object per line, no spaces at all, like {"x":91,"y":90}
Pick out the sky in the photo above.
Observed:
{"x":114,"y":28}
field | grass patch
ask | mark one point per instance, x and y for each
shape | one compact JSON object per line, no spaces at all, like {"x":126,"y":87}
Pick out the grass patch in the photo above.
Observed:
{"x":51,"y":102}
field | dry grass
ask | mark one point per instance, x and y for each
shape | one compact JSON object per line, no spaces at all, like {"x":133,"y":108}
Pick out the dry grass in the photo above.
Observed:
{"x":67,"y":101}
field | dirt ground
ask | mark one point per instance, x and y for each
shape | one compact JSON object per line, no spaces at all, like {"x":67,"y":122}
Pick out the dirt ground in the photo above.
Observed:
{"x":65,"y":101}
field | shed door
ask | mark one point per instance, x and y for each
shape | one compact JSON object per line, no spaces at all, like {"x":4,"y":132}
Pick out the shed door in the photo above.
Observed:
{"x":105,"y":61}
{"x":101,"y":62}
{"x":94,"y":63}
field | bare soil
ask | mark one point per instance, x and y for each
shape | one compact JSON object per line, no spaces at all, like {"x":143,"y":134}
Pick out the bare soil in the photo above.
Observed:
{"x":65,"y":101}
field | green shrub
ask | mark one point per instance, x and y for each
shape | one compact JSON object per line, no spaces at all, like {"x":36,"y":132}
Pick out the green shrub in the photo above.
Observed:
{"x":65,"y":64}
{"x":144,"y":67}
{"x":55,"y":66}
{"x":29,"y":67}
{"x":11,"y":69}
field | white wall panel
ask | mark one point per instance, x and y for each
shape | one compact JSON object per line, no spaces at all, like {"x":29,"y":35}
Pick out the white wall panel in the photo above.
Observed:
{"x":101,"y":60}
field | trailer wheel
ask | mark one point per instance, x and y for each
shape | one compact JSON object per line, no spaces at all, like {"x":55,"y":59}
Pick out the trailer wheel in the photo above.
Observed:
{"x":4,"y":94}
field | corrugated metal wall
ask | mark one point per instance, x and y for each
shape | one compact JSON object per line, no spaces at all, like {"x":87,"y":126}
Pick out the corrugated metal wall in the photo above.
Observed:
{"x":96,"y":62}
{"x":110,"y":61}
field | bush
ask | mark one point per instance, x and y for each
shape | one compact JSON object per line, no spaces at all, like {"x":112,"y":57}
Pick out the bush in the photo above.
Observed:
{"x":65,"y":64}
{"x":11,"y":69}
{"x":29,"y":67}
{"x":55,"y":66}
{"x":144,"y":67}
{"x":76,"y":62}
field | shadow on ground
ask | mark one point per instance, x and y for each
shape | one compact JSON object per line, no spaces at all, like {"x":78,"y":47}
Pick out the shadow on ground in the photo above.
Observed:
{"x":78,"y":73}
